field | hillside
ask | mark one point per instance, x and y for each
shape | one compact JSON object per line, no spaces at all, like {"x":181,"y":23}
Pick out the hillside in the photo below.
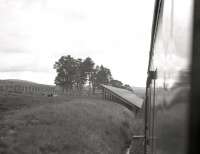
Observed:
{"x":60,"y":125}
{"x":23,"y":82}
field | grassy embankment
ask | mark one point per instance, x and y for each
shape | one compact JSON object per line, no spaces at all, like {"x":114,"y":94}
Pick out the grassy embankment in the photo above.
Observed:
{"x":41,"y":125}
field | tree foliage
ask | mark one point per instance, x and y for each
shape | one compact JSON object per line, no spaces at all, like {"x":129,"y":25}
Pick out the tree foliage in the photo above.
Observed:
{"x":116,"y":83}
{"x":75,"y":73}
{"x":119,"y":84}
{"x":66,"y":68}
{"x":128,"y":87}
{"x":103,"y":75}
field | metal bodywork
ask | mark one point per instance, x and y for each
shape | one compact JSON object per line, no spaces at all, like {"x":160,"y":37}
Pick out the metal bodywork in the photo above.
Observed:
{"x":168,"y":84}
{"x":122,"y":96}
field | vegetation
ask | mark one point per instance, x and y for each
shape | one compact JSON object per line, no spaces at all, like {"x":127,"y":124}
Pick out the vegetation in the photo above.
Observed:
{"x":119,"y":84}
{"x":75,"y":126}
{"x":116,"y":83}
{"x":75,"y":73}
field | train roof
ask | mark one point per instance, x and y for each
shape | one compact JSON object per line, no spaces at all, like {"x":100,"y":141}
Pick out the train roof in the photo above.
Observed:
{"x":124,"y":94}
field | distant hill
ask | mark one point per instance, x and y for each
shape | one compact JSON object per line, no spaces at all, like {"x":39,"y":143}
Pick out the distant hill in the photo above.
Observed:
{"x":22,"y":87}
{"x":23,"y":82}
{"x":139,"y":91}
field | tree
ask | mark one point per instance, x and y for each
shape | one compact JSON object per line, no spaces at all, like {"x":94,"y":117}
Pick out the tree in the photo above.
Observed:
{"x":116,"y":83}
{"x":94,"y":78}
{"x":80,"y":76}
{"x":66,"y":68}
{"x":74,"y":73}
{"x":119,"y":84}
{"x":128,"y":87}
{"x":88,"y":67}
{"x":102,"y":76}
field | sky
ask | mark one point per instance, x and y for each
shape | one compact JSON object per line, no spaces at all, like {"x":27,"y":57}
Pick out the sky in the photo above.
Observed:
{"x":36,"y":33}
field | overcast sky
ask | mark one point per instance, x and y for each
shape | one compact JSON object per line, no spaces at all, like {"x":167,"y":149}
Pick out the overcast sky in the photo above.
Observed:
{"x":36,"y":33}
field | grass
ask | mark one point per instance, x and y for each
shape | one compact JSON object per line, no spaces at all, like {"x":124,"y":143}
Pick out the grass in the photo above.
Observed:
{"x":41,"y":125}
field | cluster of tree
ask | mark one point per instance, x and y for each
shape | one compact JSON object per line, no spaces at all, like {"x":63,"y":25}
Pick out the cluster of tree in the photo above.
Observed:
{"x":75,"y":73}
{"x":119,"y":84}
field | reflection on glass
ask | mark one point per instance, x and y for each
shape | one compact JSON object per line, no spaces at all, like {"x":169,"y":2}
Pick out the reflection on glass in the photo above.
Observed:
{"x":168,"y":120}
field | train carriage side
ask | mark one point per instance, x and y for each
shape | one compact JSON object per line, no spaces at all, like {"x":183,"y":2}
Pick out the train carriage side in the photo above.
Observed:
{"x":168,"y":84}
